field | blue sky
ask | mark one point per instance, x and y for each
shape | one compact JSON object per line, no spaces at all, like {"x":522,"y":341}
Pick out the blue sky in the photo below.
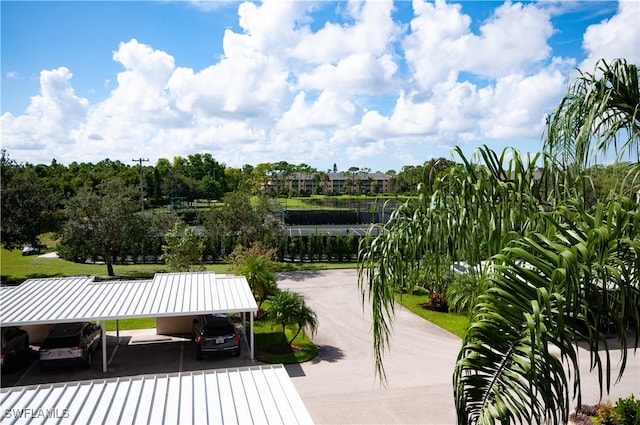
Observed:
{"x":372,"y":84}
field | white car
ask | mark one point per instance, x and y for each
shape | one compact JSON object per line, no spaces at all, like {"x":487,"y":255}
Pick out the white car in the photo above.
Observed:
{"x":30,"y":250}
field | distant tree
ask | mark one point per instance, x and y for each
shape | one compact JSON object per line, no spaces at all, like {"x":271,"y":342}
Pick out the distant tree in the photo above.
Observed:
{"x":409,"y":178}
{"x":288,"y":309}
{"x":238,"y":216}
{"x":183,"y":249}
{"x":351,"y":184}
{"x":433,"y":169}
{"x":104,"y":219}
{"x":28,"y":206}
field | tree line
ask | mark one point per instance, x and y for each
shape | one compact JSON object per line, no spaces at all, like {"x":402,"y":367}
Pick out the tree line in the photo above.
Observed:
{"x":34,"y":197}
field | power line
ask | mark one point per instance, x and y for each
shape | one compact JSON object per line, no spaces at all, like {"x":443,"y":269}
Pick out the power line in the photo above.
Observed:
{"x":140,"y":161}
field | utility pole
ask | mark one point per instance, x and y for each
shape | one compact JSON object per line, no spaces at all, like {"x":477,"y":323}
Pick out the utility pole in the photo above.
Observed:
{"x":140,"y":161}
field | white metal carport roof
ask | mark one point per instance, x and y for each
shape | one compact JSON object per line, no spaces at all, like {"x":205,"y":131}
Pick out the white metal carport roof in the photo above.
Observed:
{"x":80,"y":298}
{"x":254,"y":395}
{"x":71,"y":299}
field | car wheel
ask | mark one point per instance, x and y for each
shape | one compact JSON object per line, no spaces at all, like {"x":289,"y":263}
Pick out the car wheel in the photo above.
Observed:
{"x":237,"y":352}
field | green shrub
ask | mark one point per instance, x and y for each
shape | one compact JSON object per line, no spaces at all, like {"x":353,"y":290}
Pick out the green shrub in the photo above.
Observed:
{"x":607,"y":415}
{"x":628,"y":410}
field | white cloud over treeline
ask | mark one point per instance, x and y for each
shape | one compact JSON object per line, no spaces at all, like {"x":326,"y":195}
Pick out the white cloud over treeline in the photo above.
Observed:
{"x":369,"y":91}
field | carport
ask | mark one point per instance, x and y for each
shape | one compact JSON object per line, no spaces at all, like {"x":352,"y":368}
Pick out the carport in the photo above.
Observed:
{"x":258,"y":395}
{"x":81,"y":298}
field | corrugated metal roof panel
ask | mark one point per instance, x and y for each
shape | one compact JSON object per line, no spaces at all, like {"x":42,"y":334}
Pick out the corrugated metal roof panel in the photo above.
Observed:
{"x":258,"y":395}
{"x":81,"y":298}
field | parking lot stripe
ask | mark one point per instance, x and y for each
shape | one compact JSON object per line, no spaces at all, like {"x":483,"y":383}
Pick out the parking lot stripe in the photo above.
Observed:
{"x":113,"y":354}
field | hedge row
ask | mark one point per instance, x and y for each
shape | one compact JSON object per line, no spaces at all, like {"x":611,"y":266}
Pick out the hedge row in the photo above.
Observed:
{"x":312,"y":248}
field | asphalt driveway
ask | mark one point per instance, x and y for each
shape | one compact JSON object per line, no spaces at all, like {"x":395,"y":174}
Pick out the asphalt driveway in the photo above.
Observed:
{"x":340,"y":386}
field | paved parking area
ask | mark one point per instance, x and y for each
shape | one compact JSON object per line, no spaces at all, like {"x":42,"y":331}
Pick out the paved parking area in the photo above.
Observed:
{"x":139,"y":352}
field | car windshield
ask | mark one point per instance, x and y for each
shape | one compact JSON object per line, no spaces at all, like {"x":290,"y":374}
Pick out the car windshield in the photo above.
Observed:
{"x":61,"y":342}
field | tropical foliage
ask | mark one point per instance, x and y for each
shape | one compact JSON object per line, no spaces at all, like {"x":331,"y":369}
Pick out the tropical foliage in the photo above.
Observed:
{"x":289,"y":308}
{"x":257,"y":265}
{"x":565,"y":259}
{"x":28,"y":207}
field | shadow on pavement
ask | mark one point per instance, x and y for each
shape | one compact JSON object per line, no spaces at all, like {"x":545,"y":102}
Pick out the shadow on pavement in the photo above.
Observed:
{"x":328,"y":353}
{"x":299,"y":276}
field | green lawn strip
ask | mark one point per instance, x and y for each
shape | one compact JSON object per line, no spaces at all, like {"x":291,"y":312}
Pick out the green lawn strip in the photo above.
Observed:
{"x":131,"y":324}
{"x":456,"y":323}
{"x":14,"y":268}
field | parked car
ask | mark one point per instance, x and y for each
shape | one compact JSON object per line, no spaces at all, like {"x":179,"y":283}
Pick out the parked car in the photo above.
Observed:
{"x":15,"y":343}
{"x":215,"y":333}
{"x":70,"y":344}
{"x":30,"y":250}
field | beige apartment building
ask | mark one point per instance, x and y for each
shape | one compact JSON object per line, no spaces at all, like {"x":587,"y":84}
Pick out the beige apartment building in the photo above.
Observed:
{"x":345,"y":182}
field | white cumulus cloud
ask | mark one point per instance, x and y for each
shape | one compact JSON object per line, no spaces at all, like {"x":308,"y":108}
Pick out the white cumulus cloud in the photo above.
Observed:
{"x":362,"y":88}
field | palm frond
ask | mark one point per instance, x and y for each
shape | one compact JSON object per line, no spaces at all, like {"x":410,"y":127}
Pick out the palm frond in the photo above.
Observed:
{"x":601,"y":112}
{"x":549,"y":292}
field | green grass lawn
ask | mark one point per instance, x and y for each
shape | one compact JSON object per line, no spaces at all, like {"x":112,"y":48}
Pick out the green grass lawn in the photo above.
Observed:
{"x":267,"y":335}
{"x":456,"y":323}
{"x":14,"y":268}
{"x":129,"y":324}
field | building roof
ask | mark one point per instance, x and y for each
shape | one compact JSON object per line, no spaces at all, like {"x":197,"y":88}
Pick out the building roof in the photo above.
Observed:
{"x":341,"y":176}
{"x":258,"y":395}
{"x":81,"y":298}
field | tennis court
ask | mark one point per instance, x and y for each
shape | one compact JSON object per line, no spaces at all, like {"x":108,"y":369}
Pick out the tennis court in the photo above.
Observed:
{"x":333,"y":229}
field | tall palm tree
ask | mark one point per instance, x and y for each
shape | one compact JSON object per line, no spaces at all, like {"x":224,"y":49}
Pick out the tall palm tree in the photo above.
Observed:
{"x":560,"y":274}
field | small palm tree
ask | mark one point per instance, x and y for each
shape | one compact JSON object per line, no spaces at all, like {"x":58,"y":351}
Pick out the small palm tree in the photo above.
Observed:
{"x":260,"y":276}
{"x":288,"y":308}
{"x":256,"y":264}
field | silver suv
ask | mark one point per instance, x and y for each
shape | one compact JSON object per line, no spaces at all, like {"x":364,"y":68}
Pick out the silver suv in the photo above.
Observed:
{"x":215,"y":333}
{"x":70,"y":344}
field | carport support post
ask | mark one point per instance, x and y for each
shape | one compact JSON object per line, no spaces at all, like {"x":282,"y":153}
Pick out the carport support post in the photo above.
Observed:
{"x":104,"y":346}
{"x":251,"y":326}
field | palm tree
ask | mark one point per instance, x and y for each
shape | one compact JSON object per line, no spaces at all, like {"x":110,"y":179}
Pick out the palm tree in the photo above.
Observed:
{"x":553,"y":289}
{"x":256,"y":264}
{"x":600,"y":112}
{"x":288,"y":308}
{"x":561,"y":274}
